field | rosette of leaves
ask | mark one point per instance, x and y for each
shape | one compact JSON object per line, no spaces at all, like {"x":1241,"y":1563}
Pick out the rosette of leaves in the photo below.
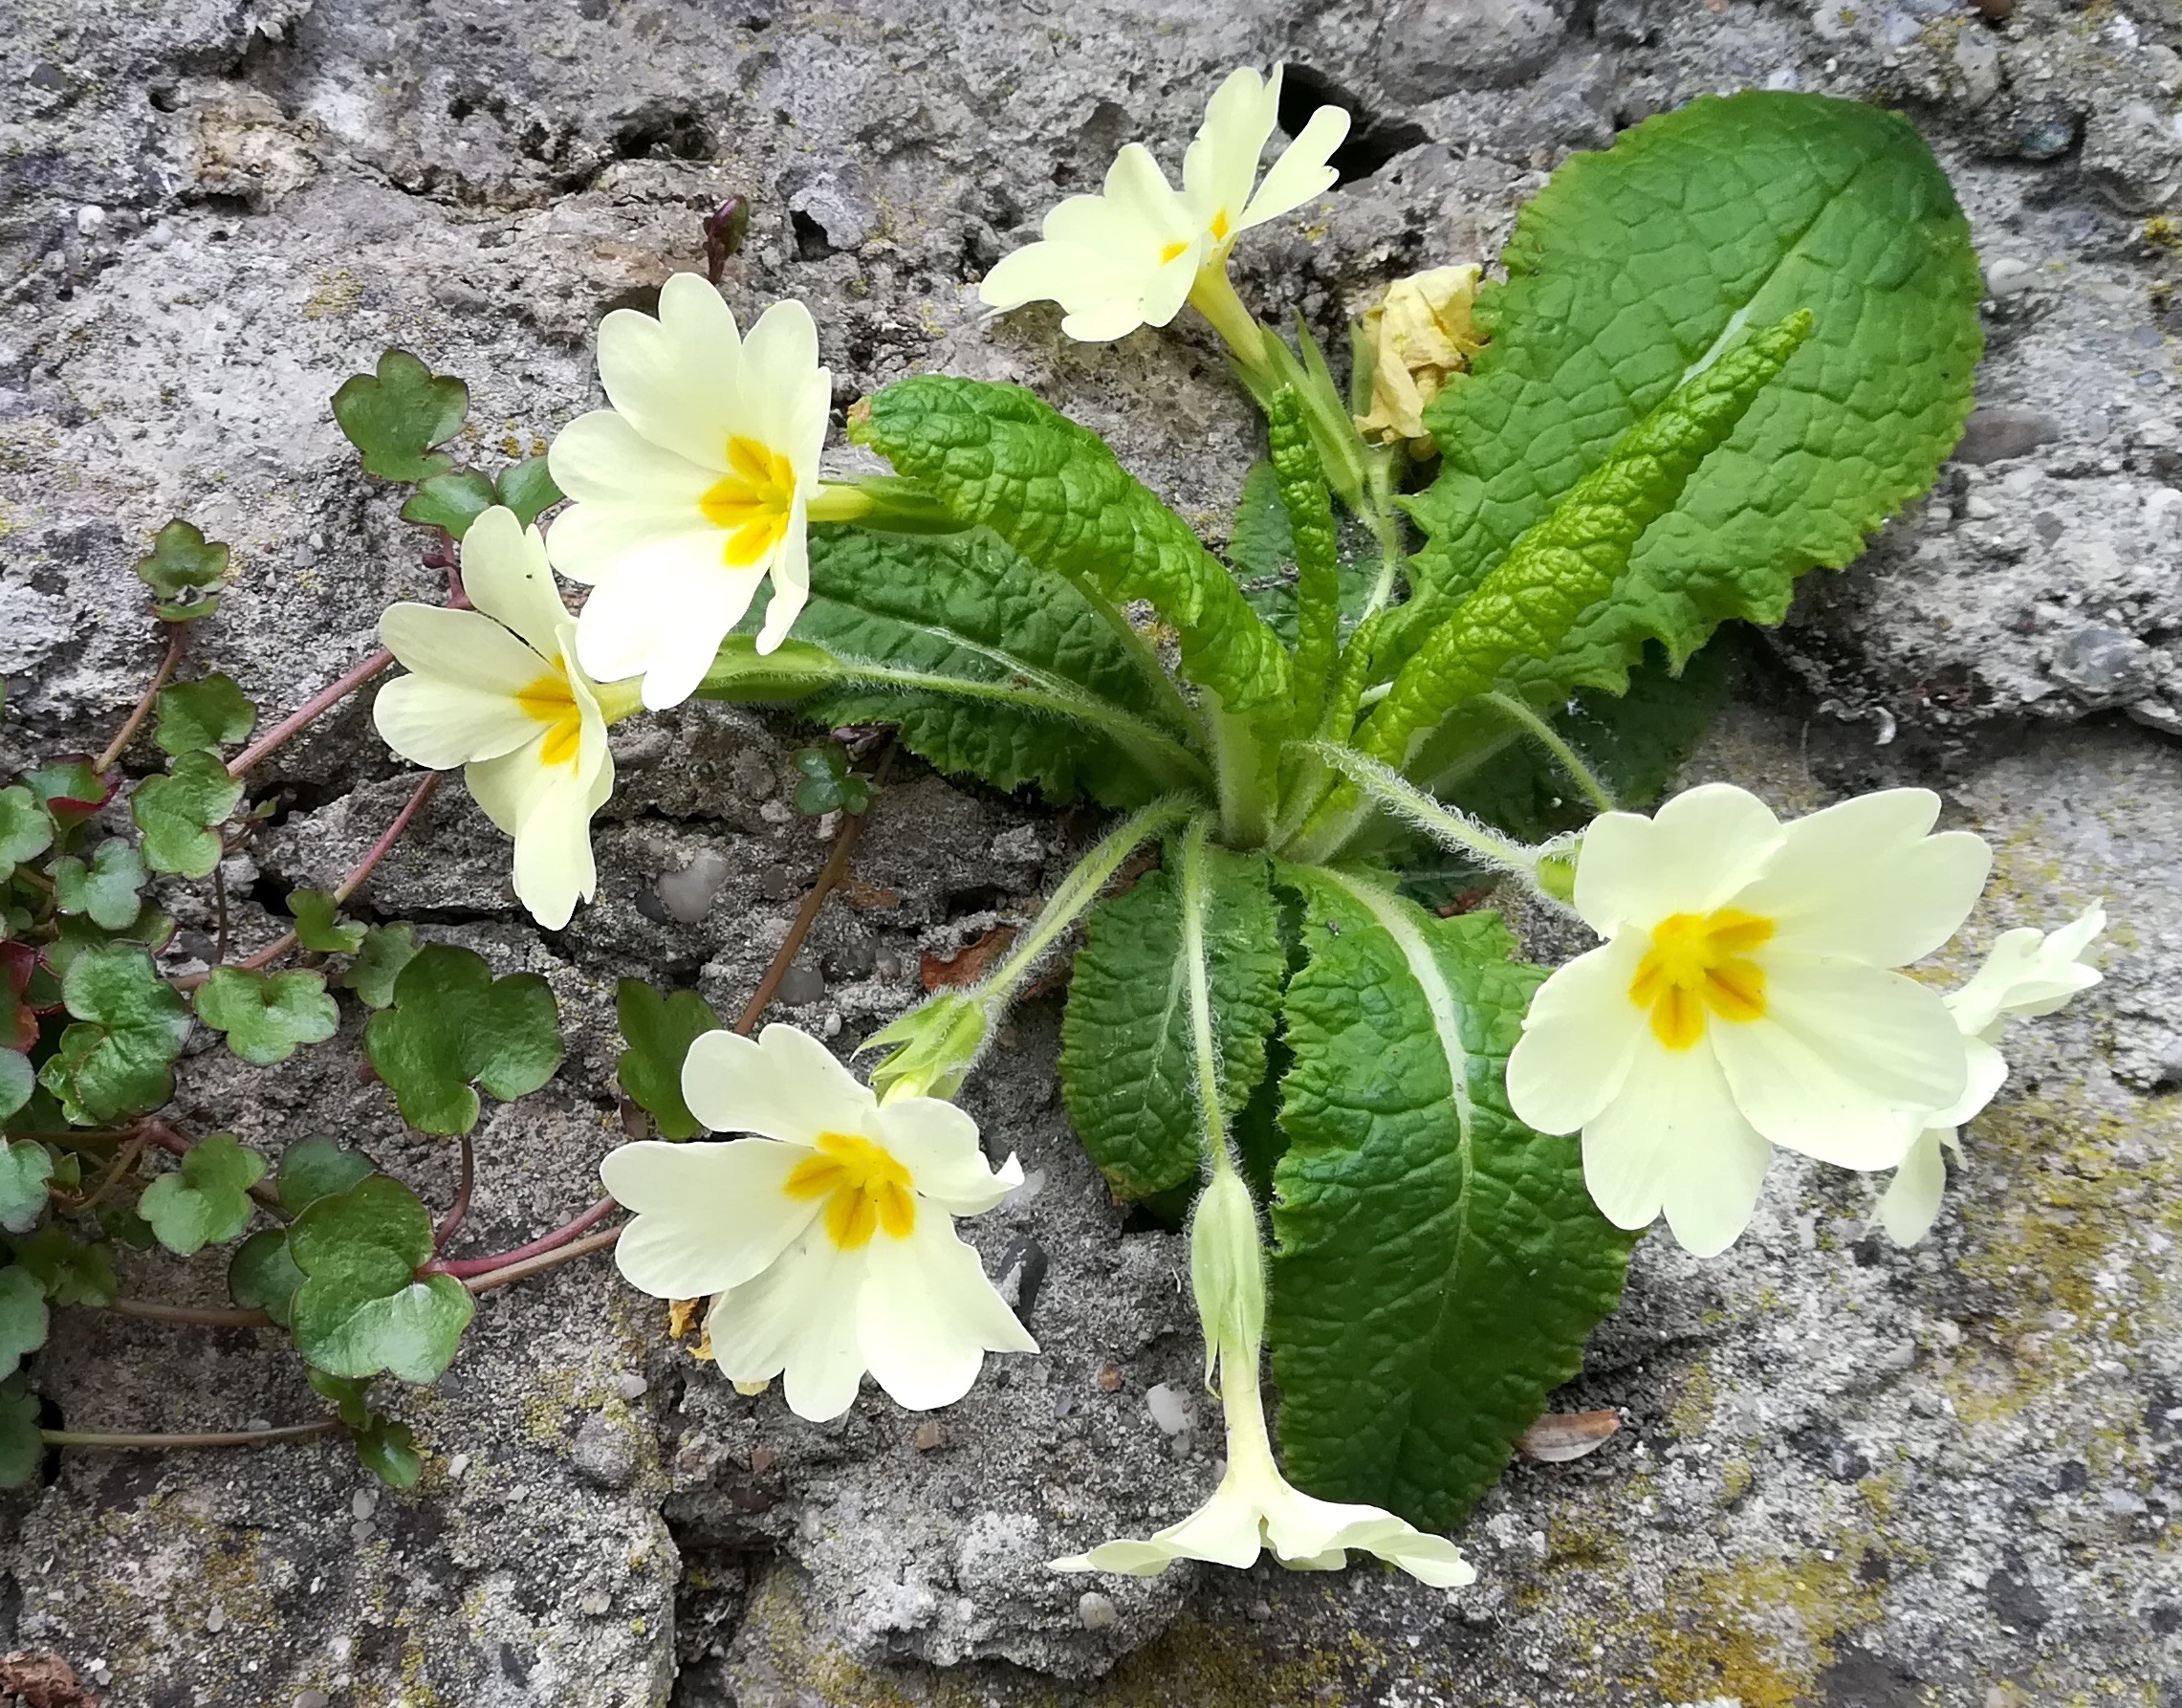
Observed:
{"x":1724,"y":352}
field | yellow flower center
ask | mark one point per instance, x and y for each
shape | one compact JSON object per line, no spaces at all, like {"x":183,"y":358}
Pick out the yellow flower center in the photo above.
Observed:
{"x":1169,"y":253}
{"x":1220,"y":225}
{"x":750,"y":503}
{"x":864,"y":1187}
{"x":1699,"y":961}
{"x":552,"y":703}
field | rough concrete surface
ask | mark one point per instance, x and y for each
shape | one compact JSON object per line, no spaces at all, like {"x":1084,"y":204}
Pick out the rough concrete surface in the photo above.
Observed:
{"x":1847,"y":1474}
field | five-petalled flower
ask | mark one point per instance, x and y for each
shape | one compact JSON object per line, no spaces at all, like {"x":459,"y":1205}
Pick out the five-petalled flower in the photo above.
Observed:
{"x":2029,"y":972}
{"x":693,"y":487}
{"x":1134,"y":254}
{"x":1745,"y":998}
{"x":827,"y":1242}
{"x":498,"y":691}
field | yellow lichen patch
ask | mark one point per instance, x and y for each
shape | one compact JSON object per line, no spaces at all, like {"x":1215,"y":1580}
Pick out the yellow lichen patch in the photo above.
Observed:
{"x":338,"y":294}
{"x":1693,"y":1406}
{"x":1760,"y":1632}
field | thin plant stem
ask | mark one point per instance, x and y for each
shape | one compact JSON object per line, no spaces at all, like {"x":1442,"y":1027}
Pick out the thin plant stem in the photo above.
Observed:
{"x":552,"y":1259}
{"x":124,"y":1160}
{"x":287,"y":1432}
{"x":312,"y":708}
{"x":156,"y":1131}
{"x":462,"y":1268}
{"x":190,"y":1315}
{"x":177,"y":637}
{"x":1212,"y":1118}
{"x":1552,"y":740}
{"x":459,"y":1208}
{"x":220,"y":905}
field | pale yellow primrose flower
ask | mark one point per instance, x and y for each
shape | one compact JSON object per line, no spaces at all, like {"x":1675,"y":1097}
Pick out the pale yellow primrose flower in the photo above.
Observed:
{"x":826,"y":1243}
{"x":1744,"y":999}
{"x":1255,"y":1507}
{"x":1418,"y":334}
{"x":2029,"y":972}
{"x":498,"y":691}
{"x":693,"y":487}
{"x":1133,"y":254}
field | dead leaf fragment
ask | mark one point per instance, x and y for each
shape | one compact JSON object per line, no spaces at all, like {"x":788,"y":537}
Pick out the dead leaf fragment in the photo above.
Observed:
{"x":1560,"y":1437}
{"x":965,"y":966}
{"x":39,"y":1678}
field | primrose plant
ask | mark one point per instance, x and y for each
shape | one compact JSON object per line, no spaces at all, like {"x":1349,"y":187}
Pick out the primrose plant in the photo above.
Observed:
{"x":1462,"y":627}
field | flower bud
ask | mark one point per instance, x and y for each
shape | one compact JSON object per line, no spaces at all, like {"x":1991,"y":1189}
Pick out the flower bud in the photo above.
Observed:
{"x":930,"y":1048}
{"x":1227,"y":1269}
{"x":1416,"y":336}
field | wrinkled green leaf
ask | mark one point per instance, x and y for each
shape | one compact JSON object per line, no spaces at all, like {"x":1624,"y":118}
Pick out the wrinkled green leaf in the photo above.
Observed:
{"x":363,"y":1309}
{"x":451,"y":501}
{"x":1261,"y":542}
{"x":318,"y":1168}
{"x":1633,"y":266}
{"x":261,"y":1275}
{"x":453,"y":1024}
{"x":386,"y":949}
{"x":995,"y":455}
{"x":527,"y":488}
{"x":204,"y":715}
{"x":25,"y":830}
{"x":105,"y":888}
{"x":25,"y":1168}
{"x":183,"y":572}
{"x":118,"y":1060}
{"x":396,"y":416}
{"x":825,"y":785}
{"x":22,"y":1448}
{"x":659,"y":1031}
{"x":24,"y":1319}
{"x":1125,"y":1060}
{"x":266,"y":1014}
{"x":206,"y":1200}
{"x":1438,"y":1266}
{"x":1304,"y":493}
{"x":71,"y":1272}
{"x":180,"y":815}
{"x":315,"y":914}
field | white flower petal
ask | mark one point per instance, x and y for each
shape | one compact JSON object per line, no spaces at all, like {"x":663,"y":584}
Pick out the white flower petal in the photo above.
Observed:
{"x":1049,"y":270}
{"x":1301,"y":172}
{"x":439,"y":723}
{"x":1863,"y":881}
{"x":510,"y":786}
{"x":1987,"y":1072}
{"x":1227,"y":1530}
{"x":1847,"y":1062}
{"x":1674,"y":1139}
{"x":554,"y":865}
{"x":1697,"y":850}
{"x":1579,"y":1039}
{"x":929,"y":1316}
{"x":798,"y":1316}
{"x":1309,"y":1534}
{"x":631,"y":492}
{"x":1911,"y":1203}
{"x":784,"y":1085}
{"x":664,"y":618}
{"x":784,"y":385}
{"x":2028,"y":973}
{"x":506,"y":575}
{"x":709,"y":1215}
{"x":937,"y":1143}
{"x":676,"y":379}
{"x":1221,"y":163}
{"x":1135,"y":1559}
{"x":466,"y":649}
{"x":791,"y":572}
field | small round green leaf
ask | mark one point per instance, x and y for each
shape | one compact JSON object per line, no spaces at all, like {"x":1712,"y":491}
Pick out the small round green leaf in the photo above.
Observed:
{"x":362,"y":1308}
{"x":451,"y":501}
{"x":452,"y":1023}
{"x":118,"y":1060}
{"x":26,"y":831}
{"x":318,"y":925}
{"x":261,"y":1275}
{"x":180,"y":813}
{"x":206,"y":1200}
{"x":659,"y":1031}
{"x":25,"y":1168}
{"x":19,"y":1079}
{"x":314,"y":1168}
{"x":70,"y":790}
{"x":22,"y":1448}
{"x":386,"y":949}
{"x":182,"y":571}
{"x":23,"y":1317}
{"x":203,"y":716}
{"x":71,"y":1272}
{"x":266,"y":1016}
{"x":396,"y":416}
{"x":105,"y":888}
{"x":527,"y":489}
{"x":390,"y":1452}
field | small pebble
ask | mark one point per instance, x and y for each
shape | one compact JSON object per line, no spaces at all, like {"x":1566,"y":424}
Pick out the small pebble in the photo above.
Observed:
{"x":632,"y":1387}
{"x":1260,"y":1610}
{"x":762,"y":1459}
{"x":216,"y":1620}
{"x":361,"y":1532}
{"x":595,"y":1603}
{"x":458,"y":1467}
{"x":1097,"y":1611}
{"x":311,"y":1698}
{"x":688,"y":894}
{"x":1110,"y":1379}
{"x":804,"y":986}
{"x":363,"y":1502}
{"x":929,"y":1435}
{"x":2004,"y":430}
{"x":1170,"y":1408}
{"x":604,"y":1454}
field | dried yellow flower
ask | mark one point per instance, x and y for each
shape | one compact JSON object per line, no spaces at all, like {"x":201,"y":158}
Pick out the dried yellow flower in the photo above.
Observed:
{"x":1417,"y":335}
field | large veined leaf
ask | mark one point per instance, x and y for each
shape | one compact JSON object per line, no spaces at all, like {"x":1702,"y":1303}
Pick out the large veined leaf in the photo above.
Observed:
{"x":995,"y":455}
{"x":1636,"y":265}
{"x":989,"y":666}
{"x":1126,"y":1067}
{"x":1438,"y":1264}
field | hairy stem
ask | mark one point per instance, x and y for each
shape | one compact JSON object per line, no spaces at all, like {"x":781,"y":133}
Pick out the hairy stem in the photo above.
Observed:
{"x":177,"y":637}
{"x":1551,"y":739}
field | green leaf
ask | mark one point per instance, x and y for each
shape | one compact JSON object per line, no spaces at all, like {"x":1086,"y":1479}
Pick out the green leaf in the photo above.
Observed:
{"x":388,"y":1450}
{"x":1438,"y":1265}
{"x":396,"y":417}
{"x":451,"y":501}
{"x":203,"y":716}
{"x":527,"y":488}
{"x":1635,"y":265}
{"x":659,"y":1031}
{"x":117,"y":1061}
{"x":1125,"y":1062}
{"x":266,"y":1014}
{"x":18,"y":1079}
{"x":995,"y":455}
{"x":1302,"y":489}
{"x":180,"y":815}
{"x":1261,"y":542}
{"x":71,"y":1272}
{"x":25,"y":830}
{"x":151,"y":929}
{"x":825,"y":785}
{"x":70,"y":790}
{"x":362,"y":1308}
{"x":386,"y":949}
{"x":24,"y":1171}
{"x":261,"y":1275}
{"x":105,"y":888}
{"x":989,"y":667}
{"x":206,"y":1200}
{"x":22,"y":1447}
{"x":314,"y":1168}
{"x":452,"y":1023}
{"x":315,"y":912}
{"x":24,"y":1319}
{"x":347,"y":1392}
{"x":182,"y":571}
